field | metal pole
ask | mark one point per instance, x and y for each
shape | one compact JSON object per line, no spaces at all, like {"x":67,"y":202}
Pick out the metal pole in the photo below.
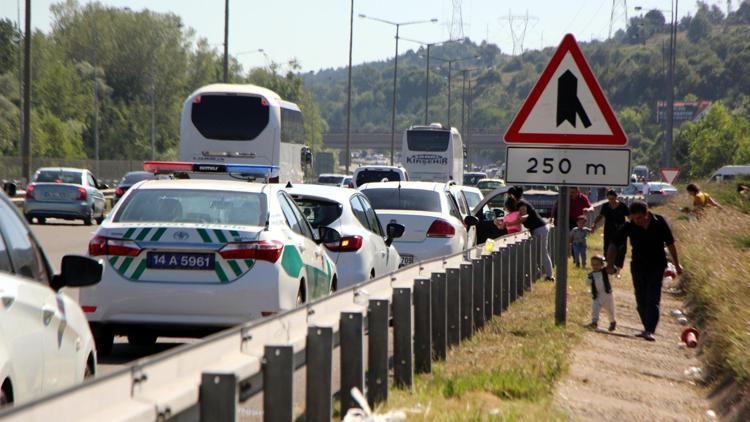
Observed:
{"x":349,"y":92}
{"x":393,"y":107}
{"x":153,"y":123}
{"x":226,"y":41}
{"x":427,"y":86}
{"x":26,"y":147}
{"x":450,"y":62}
{"x":670,"y":94}
{"x":561,"y":256}
{"x":96,"y":102}
{"x":463,"y":100}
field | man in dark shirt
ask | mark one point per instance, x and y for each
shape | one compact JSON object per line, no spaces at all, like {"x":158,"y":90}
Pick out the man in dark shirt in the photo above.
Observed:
{"x":648,"y":233}
{"x":613,"y":213}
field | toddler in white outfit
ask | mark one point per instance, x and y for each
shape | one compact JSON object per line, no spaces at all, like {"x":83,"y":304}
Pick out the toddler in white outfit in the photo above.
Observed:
{"x":601,"y":292}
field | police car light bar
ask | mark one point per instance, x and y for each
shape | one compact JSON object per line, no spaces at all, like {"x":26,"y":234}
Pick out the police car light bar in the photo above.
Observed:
{"x":243,"y":170}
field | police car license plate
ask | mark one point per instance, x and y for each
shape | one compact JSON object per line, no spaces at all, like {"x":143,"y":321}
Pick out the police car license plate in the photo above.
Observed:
{"x":180,"y":261}
{"x":407,"y":259}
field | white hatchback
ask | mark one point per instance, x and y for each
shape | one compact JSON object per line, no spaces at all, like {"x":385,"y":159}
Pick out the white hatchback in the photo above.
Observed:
{"x":45,"y":341}
{"x":364,"y":250}
{"x":430,"y":214}
{"x":190,"y":257}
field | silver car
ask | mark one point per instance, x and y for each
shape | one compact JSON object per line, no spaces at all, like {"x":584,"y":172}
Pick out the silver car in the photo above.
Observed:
{"x":68,"y":193}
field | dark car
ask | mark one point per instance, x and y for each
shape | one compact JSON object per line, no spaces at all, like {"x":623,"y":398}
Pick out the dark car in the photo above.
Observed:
{"x":131,"y":179}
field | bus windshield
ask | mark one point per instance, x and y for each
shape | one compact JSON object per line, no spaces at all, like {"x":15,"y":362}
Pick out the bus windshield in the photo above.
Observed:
{"x":428,"y":140}
{"x":230,"y":117}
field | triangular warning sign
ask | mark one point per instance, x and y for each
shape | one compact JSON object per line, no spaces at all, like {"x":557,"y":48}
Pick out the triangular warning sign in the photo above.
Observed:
{"x":669,"y":174}
{"x":566,"y":106}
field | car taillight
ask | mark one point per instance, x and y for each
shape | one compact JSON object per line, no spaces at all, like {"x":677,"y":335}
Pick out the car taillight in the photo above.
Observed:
{"x":346,"y":244}
{"x":101,"y":245}
{"x":119,"y":191}
{"x":441,"y":228}
{"x":82,"y":195}
{"x":30,"y":192}
{"x":88,"y":309}
{"x":264,"y":250}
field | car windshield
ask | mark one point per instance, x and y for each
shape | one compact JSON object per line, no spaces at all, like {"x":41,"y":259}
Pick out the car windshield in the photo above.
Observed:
{"x":59,"y":176}
{"x":370,"y":176}
{"x":490,"y":184}
{"x":403,"y":199}
{"x":133,"y":178}
{"x":193,"y":206}
{"x":330,"y":180}
{"x":319,"y":213}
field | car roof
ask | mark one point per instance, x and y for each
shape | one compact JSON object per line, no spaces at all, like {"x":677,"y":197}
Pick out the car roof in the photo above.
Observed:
{"x":490,"y":179}
{"x":434,"y":186}
{"x":61,"y":168}
{"x":379,"y":167}
{"x":322,"y":191}
{"x":332,"y":174}
{"x":204,"y":184}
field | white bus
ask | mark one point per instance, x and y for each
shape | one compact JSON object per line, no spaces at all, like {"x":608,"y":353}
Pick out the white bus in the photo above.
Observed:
{"x":244,"y":124}
{"x":433,"y":153}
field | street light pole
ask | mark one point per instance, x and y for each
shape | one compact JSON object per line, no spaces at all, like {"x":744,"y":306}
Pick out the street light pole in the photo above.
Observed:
{"x":26,"y":147}
{"x":667,"y":159}
{"x":427,"y":87}
{"x":395,"y":74}
{"x":226,"y":41}
{"x":450,"y":66}
{"x":349,"y":92}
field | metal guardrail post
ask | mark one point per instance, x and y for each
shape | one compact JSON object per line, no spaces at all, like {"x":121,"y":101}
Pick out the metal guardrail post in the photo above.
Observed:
{"x":477,"y":267}
{"x":422,"y":326}
{"x":377,"y":351}
{"x":512,"y":271}
{"x":537,"y":258}
{"x":497,"y":277}
{"x":278,"y":371}
{"x":439,"y":317}
{"x":319,"y":374}
{"x":519,"y":270}
{"x":487,"y":287}
{"x":352,"y":340}
{"x":403,"y":355}
{"x":467,"y":301}
{"x":552,"y":244}
{"x":219,"y":396}
{"x":453,"y":294}
{"x":505,"y":278}
{"x":528,"y":264}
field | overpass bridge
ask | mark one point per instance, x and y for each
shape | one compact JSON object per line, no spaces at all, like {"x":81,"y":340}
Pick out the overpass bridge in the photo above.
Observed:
{"x":473,"y":142}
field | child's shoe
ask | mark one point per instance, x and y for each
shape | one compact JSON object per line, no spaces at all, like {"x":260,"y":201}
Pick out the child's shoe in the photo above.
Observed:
{"x":612,"y":326}
{"x":592,"y":325}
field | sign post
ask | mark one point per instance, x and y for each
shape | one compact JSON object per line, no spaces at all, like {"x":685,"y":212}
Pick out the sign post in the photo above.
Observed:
{"x":566,"y":134}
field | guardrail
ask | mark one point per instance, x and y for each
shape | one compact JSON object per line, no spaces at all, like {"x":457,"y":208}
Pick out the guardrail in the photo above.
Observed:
{"x":431,"y":306}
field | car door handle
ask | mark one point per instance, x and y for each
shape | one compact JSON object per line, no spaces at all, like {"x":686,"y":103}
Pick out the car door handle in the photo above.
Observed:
{"x":318,"y":253}
{"x":301,"y":247}
{"x":382,"y":253}
{"x":7,"y":299}
{"x":47,"y":314}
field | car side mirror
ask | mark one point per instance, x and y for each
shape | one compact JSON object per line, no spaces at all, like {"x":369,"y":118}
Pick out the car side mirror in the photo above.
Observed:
{"x":77,"y":271}
{"x":102,"y":186}
{"x":393,"y":231}
{"x":470,"y":220}
{"x":328,"y":235}
{"x":10,"y":189}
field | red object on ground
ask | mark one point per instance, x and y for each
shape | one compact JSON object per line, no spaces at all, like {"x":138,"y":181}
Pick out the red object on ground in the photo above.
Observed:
{"x":690,"y":337}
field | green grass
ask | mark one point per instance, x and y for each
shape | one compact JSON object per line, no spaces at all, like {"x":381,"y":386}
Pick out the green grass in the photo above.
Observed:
{"x":508,"y":370}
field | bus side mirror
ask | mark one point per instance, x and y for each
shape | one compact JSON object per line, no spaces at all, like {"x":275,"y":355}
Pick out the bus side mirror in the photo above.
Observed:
{"x":10,"y":189}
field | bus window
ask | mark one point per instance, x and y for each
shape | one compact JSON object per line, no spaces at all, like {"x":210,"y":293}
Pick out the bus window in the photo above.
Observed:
{"x":428,"y":140}
{"x":292,"y":126}
{"x":230,"y":117}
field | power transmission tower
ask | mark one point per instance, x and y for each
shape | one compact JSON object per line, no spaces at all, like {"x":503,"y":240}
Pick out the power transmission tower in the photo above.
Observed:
{"x":456,"y":24}
{"x":518,"y":25}
{"x":619,"y":9}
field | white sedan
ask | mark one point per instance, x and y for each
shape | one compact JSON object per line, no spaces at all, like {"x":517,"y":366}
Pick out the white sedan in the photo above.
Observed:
{"x":430,"y":214}
{"x":190,"y":257}
{"x":45,"y":341}
{"x":364,"y":250}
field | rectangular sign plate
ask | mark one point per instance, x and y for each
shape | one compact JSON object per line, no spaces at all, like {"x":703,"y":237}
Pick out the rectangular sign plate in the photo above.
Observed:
{"x":568,"y":166}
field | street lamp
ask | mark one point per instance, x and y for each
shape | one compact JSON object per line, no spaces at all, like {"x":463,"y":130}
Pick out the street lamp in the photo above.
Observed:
{"x":398,"y":25}
{"x":450,"y":65}
{"x":256,"y":51}
{"x":427,"y":72}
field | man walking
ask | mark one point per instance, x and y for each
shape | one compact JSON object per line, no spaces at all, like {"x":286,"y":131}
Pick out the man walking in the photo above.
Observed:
{"x":614,"y":214}
{"x":648,"y":233}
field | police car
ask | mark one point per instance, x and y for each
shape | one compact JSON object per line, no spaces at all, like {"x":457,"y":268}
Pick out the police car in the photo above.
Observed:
{"x":189,"y":257}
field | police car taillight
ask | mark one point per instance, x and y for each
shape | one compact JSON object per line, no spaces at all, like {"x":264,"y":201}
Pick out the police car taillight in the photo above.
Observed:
{"x":101,"y":245}
{"x":346,"y":244}
{"x":264,"y":250}
{"x":167,"y":166}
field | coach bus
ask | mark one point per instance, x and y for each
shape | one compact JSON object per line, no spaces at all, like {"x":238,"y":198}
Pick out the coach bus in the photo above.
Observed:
{"x":244,"y":124}
{"x":433,"y":153}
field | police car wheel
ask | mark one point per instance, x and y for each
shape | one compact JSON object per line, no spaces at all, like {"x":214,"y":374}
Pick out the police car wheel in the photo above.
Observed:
{"x":142,"y":339}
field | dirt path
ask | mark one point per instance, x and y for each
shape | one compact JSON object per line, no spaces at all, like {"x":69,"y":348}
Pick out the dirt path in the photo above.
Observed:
{"x":616,"y":376}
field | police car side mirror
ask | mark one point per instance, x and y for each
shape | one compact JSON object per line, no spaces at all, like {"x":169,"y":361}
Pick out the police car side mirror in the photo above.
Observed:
{"x":77,"y":271}
{"x":394,"y":231}
{"x":328,"y":235}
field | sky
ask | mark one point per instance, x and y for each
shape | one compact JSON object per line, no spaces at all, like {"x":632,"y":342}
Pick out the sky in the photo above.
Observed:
{"x":316,"y":32}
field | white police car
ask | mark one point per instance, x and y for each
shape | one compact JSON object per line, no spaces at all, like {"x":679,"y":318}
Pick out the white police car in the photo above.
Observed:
{"x":189,"y":257}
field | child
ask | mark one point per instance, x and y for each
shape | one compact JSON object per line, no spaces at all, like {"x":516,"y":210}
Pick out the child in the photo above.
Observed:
{"x":601,"y":292}
{"x":511,"y":222}
{"x":578,"y":241}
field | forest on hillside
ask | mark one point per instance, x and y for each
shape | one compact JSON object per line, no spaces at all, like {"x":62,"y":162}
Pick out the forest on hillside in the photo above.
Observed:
{"x":124,"y":75}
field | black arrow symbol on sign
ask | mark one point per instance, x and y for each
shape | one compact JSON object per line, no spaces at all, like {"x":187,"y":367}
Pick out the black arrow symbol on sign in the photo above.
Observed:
{"x":568,"y":104}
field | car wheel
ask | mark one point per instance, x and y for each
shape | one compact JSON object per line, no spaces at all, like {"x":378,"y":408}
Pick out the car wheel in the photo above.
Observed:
{"x":100,"y":219}
{"x":301,"y":293}
{"x":89,"y":371}
{"x":41,"y":220}
{"x":29,"y":219}
{"x":104,"y":343}
{"x":87,"y":220}
{"x":142,"y":339}
{"x":334,"y":284}
{"x":5,"y":397}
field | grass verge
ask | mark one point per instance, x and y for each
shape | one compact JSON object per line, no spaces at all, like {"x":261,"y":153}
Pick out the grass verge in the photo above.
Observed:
{"x":508,"y":370}
{"x":715,"y":251}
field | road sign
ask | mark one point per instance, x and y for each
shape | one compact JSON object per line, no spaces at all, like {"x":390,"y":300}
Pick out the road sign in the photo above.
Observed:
{"x":566,"y":106}
{"x":669,"y":174}
{"x":568,"y":166}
